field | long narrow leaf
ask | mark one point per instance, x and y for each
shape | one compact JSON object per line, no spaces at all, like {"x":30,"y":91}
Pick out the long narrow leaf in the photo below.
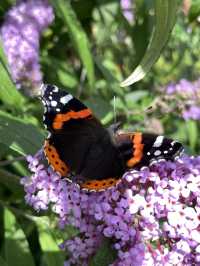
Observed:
{"x":78,"y":36}
{"x":165,"y":15}
{"x":18,"y":135}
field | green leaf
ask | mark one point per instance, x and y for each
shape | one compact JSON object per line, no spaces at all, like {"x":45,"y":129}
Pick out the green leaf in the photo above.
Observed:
{"x":8,"y":92}
{"x":2,"y":262}
{"x":99,"y":106}
{"x":113,"y":82}
{"x":53,"y":256}
{"x":16,"y":246}
{"x":19,"y":135}
{"x":194,"y":11}
{"x":3,"y":149}
{"x":192,"y":131}
{"x":78,"y":36}
{"x":104,"y":256}
{"x":60,"y":71}
{"x":165,"y":15}
{"x":12,"y":182}
{"x":132,"y":97}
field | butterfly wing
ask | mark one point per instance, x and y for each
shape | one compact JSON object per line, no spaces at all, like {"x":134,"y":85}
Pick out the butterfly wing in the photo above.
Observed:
{"x":139,"y":150}
{"x":78,"y":142}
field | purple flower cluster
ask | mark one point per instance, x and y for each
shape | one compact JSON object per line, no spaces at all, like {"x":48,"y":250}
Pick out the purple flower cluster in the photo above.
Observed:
{"x":189,"y":95}
{"x":127,"y":9}
{"x":20,"y":32}
{"x":152,"y":216}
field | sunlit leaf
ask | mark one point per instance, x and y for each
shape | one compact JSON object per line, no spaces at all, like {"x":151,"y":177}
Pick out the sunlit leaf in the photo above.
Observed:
{"x":192,"y":132}
{"x":16,"y":246}
{"x":165,"y":15}
{"x":52,"y":255}
{"x":194,"y":11}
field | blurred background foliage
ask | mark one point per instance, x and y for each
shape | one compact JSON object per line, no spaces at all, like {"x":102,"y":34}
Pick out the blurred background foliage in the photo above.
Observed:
{"x":88,"y":50}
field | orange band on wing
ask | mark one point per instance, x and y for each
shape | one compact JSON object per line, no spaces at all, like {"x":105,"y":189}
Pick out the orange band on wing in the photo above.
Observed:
{"x":138,"y":150}
{"x":98,"y":185}
{"x":61,"y":118}
{"x":54,"y":160}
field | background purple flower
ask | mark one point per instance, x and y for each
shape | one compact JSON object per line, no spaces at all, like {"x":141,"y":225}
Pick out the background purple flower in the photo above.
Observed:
{"x":127,"y":9}
{"x":20,"y":33}
{"x":193,"y":112}
{"x":152,"y":217}
{"x":187,"y":96}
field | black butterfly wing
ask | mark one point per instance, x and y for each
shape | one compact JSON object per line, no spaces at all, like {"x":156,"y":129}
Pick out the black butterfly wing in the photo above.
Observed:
{"x":78,"y":142}
{"x":138,"y":149}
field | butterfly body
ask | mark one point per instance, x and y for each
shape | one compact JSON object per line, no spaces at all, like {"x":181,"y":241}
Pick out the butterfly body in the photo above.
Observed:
{"x":79,"y":144}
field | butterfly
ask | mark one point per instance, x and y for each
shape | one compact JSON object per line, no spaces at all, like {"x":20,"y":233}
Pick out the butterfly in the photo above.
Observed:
{"x":81,"y":149}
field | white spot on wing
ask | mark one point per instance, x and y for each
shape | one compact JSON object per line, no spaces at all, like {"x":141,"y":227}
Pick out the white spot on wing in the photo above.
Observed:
{"x":55,"y":89}
{"x":65,"y":99}
{"x":42,"y":89}
{"x":159,"y":141}
{"x":157,"y":153}
{"x":47,"y":103}
{"x":53,"y":103}
{"x":173,"y":142}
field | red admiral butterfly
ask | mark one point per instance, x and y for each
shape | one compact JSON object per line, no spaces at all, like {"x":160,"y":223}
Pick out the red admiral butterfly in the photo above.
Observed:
{"x":79,"y":144}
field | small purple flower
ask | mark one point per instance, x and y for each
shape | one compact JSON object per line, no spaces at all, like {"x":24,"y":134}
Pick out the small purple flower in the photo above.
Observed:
{"x":152,"y":216}
{"x":184,"y":88}
{"x":127,"y":9}
{"x":193,"y":112}
{"x":20,"y":33}
{"x":187,"y":96}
